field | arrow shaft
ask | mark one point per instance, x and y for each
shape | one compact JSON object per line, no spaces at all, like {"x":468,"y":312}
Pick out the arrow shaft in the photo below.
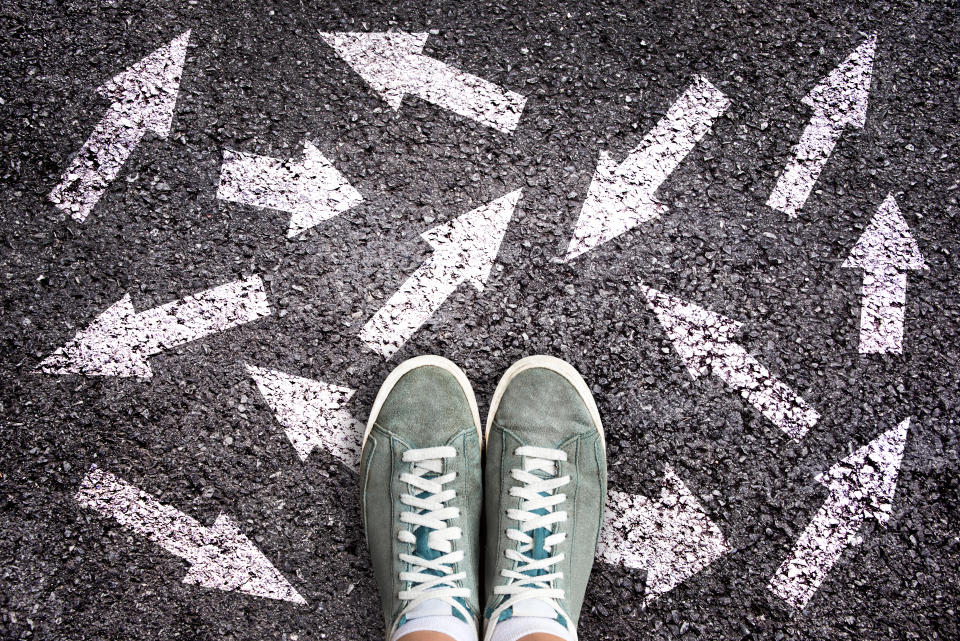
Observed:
{"x":259,"y":181}
{"x":810,"y":156}
{"x":881,"y":312}
{"x":420,"y":296}
{"x":834,"y":528}
{"x":463,"y":93}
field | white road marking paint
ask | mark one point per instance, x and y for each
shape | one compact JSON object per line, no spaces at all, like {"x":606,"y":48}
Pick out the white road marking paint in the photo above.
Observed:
{"x":220,"y":556}
{"x":838,"y":102}
{"x":620,"y":197}
{"x":312,"y":413}
{"x":392,"y":63}
{"x":119,"y":341}
{"x":861,"y":486}
{"x":672,"y":538}
{"x":704,"y":340}
{"x":884,"y":252}
{"x":144,"y":97}
{"x":464,"y":250}
{"x":310,"y":189}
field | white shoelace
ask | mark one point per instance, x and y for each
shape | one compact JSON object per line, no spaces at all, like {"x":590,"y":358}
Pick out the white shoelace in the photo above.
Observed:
{"x":431,"y":579}
{"x":536,"y":493}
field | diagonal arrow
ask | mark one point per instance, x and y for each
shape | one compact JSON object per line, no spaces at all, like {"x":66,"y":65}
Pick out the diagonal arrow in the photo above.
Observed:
{"x":220,"y":556}
{"x":704,"y":340}
{"x":120,"y":340}
{"x":310,"y":189}
{"x":392,"y":63}
{"x":861,"y":486}
{"x":143,"y":100}
{"x":620,"y":197}
{"x":838,"y":102}
{"x":672,"y":538}
{"x":884,"y":252}
{"x":464,"y":250}
{"x":312,"y":413}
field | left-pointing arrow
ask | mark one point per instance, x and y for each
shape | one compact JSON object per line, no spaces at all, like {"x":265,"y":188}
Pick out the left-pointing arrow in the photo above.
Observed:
{"x":220,"y":556}
{"x":120,"y":340}
{"x":143,"y":98}
{"x":310,"y":189}
{"x":464,"y":250}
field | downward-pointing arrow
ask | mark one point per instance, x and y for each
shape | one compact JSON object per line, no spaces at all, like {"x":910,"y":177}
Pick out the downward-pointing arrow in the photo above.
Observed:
{"x":310,"y":189}
{"x":313,"y":413}
{"x":119,"y":341}
{"x":392,"y":63}
{"x":464,"y":250}
{"x":143,"y":100}
{"x":861,"y":486}
{"x":840,"y":101}
{"x":220,"y":556}
{"x":620,"y":197}
{"x":704,"y":340}
{"x":884,"y":252}
{"x":672,"y":538}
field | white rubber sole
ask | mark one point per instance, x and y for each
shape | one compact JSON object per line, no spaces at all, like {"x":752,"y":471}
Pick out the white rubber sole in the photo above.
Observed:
{"x":428,"y":360}
{"x":553,"y":364}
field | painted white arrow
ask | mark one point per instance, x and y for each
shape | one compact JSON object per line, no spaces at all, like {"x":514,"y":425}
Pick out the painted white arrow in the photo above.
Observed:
{"x":464,"y":250}
{"x":220,"y":556}
{"x":143,"y":98}
{"x":840,"y":101}
{"x":312,"y":413}
{"x":120,"y":340}
{"x":704,"y":340}
{"x":620,"y":197}
{"x":861,"y":486}
{"x":311,"y":189}
{"x":884,"y":252}
{"x":672,"y":538}
{"x":392,"y":63}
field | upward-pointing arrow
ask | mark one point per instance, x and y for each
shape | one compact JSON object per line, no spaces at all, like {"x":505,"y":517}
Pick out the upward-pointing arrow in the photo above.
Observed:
{"x":464,"y":250}
{"x":884,"y":252}
{"x":838,"y":102}
{"x":861,"y":486}
{"x":392,"y":63}
{"x":620,"y":196}
{"x":220,"y":556}
{"x":143,"y":98}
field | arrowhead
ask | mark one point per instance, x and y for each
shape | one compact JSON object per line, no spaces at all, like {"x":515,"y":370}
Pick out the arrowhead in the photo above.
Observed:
{"x":671,"y":538}
{"x":380,"y":59}
{"x":107,"y":347}
{"x":324,"y":191}
{"x":230,"y":561}
{"x":844,"y":92}
{"x":148,"y":89}
{"x":312,"y":413}
{"x":886,"y":244}
{"x":469,"y":244}
{"x":616,"y":202}
{"x":869,"y":475}
{"x":696,"y":333}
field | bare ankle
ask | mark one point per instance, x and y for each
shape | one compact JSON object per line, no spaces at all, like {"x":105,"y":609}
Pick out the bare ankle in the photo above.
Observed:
{"x":540,"y":636}
{"x":426,"y":635}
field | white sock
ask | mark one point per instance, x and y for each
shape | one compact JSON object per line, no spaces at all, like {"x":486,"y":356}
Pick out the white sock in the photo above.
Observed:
{"x":530,"y":617}
{"x":436,"y":616}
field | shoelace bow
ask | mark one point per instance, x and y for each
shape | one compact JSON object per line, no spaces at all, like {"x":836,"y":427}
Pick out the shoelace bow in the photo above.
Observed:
{"x":533,"y":578}
{"x":431,"y":578}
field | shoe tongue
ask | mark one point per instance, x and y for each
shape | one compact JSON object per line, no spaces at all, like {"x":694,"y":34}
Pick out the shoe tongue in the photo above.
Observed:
{"x":534,"y":608}
{"x":430,"y":608}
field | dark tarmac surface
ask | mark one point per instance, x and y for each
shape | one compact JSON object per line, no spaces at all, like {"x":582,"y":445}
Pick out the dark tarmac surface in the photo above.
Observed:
{"x":258,"y":78}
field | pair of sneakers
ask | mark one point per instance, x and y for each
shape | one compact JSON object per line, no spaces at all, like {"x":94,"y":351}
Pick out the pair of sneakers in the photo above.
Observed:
{"x":424,"y":489}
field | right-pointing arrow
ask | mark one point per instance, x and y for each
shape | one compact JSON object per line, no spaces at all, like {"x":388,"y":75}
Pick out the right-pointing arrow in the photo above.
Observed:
{"x":838,"y":102}
{"x":884,"y":252}
{"x":704,"y":340}
{"x":464,"y":250}
{"x":220,"y":556}
{"x":310,"y":189}
{"x":861,"y":486}
{"x":620,"y":196}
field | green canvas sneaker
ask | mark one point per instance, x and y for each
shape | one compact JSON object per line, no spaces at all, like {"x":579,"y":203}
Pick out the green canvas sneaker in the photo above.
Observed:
{"x":545,"y":485}
{"x":421,"y":495}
